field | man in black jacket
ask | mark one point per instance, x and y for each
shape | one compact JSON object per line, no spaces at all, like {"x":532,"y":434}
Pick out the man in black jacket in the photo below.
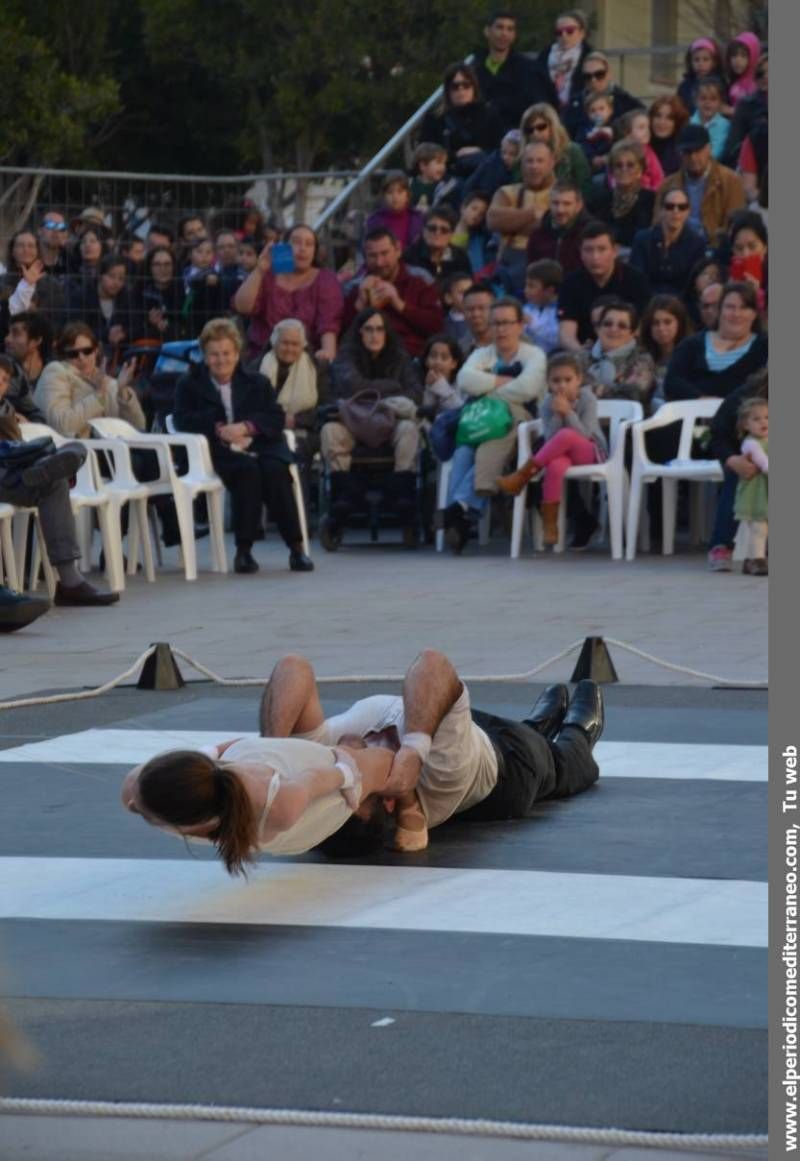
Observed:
{"x":509,"y":81}
{"x":238,"y":413}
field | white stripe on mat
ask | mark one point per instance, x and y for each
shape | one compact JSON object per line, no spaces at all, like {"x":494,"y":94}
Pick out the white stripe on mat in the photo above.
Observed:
{"x":670,"y":910}
{"x":617,"y":759}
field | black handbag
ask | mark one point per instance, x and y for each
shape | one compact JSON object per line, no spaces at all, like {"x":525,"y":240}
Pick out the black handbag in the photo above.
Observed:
{"x":17,"y":455}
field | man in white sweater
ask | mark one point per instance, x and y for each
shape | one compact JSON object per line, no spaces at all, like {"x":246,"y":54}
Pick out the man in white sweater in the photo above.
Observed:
{"x":508,"y":369}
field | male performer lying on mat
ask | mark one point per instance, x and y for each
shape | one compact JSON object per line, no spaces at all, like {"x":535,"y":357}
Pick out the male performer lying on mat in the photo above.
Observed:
{"x":309,"y":781}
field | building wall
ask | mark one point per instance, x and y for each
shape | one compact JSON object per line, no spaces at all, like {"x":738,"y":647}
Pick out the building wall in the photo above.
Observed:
{"x":641,"y":23}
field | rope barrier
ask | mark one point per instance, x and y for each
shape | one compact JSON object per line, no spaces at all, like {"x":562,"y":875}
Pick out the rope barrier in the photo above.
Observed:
{"x":454,"y":1125}
{"x":358,"y":678}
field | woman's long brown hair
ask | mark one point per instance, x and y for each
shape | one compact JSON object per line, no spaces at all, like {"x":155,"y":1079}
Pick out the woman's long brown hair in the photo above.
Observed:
{"x":186,"y":788}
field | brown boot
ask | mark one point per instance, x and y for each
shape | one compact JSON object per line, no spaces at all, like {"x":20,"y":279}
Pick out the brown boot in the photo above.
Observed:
{"x":549,"y":512}
{"x":513,"y":484}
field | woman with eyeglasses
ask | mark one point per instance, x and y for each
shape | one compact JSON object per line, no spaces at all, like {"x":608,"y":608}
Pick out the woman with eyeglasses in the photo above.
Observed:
{"x":618,"y":366}
{"x":668,"y":251}
{"x":74,"y":389}
{"x":160,"y":298}
{"x":622,"y":201}
{"x":463,"y":124}
{"x":26,"y":285}
{"x":542,"y":123}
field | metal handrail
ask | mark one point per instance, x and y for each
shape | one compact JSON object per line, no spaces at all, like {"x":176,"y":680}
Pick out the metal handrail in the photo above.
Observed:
{"x":386,"y":151}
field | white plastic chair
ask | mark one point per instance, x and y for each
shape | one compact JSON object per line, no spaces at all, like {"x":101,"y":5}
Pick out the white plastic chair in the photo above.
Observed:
{"x":442,"y":488}
{"x":8,"y":559}
{"x":620,"y":414}
{"x":124,"y":488}
{"x":88,"y":495}
{"x":200,"y":478}
{"x":683,"y":467}
{"x":297,"y":486}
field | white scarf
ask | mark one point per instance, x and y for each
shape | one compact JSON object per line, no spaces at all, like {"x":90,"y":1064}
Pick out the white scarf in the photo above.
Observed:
{"x":561,"y":63}
{"x":299,"y":392}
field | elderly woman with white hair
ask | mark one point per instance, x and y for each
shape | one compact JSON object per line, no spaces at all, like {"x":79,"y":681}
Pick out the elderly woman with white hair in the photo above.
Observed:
{"x":300,"y":382}
{"x":237,"y":412}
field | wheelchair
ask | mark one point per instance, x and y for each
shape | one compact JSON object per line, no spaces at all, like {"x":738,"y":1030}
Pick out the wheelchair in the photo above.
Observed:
{"x":370,"y":495}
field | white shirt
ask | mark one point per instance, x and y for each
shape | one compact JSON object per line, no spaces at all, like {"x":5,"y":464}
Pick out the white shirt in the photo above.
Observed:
{"x":461,"y":768}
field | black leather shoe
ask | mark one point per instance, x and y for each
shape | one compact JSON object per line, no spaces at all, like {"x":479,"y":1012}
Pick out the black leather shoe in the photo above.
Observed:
{"x":84,"y":595}
{"x":548,"y":711}
{"x":586,"y":710}
{"x":244,"y":561}
{"x":18,"y":609}
{"x":299,"y":562}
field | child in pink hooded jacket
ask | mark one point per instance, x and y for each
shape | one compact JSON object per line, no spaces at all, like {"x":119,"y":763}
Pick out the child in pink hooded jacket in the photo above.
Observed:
{"x":741,"y":59}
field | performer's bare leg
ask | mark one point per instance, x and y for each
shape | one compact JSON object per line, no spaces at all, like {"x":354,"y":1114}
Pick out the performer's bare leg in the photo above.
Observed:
{"x":290,"y":704}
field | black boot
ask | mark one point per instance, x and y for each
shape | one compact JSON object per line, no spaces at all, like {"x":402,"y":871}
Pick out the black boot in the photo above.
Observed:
{"x":586,"y":710}
{"x":244,"y":561}
{"x":548,"y":711}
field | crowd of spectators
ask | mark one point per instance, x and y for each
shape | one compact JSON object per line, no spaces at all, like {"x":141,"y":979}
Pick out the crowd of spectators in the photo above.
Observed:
{"x":548,"y":211}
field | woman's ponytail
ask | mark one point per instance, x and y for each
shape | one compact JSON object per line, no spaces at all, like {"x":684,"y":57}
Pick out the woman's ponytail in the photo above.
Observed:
{"x":236,"y":837}
{"x":187,"y":788}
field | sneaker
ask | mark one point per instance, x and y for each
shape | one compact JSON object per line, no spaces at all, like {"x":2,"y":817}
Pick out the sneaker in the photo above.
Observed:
{"x":758,"y":567}
{"x":720,"y":559}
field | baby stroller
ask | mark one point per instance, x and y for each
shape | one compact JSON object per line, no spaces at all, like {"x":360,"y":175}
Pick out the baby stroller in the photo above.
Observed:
{"x":173,"y":360}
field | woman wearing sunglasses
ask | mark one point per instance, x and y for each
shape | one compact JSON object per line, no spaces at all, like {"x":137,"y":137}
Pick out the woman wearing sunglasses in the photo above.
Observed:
{"x":74,"y":389}
{"x":669,"y":251}
{"x":542,"y":123}
{"x":563,"y":60}
{"x":597,"y":77}
{"x":463,"y":124}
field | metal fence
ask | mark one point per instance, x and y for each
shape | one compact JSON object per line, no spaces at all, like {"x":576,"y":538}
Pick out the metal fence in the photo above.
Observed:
{"x":131,"y":202}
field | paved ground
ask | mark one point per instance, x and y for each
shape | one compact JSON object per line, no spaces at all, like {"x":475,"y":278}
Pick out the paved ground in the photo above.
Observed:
{"x":367,"y":608}
{"x":608,"y":970}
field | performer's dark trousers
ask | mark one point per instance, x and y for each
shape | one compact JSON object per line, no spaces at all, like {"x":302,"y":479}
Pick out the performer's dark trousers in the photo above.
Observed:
{"x":531,"y":769}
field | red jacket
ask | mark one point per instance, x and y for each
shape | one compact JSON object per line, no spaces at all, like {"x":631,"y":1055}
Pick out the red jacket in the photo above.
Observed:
{"x":423,"y":315}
